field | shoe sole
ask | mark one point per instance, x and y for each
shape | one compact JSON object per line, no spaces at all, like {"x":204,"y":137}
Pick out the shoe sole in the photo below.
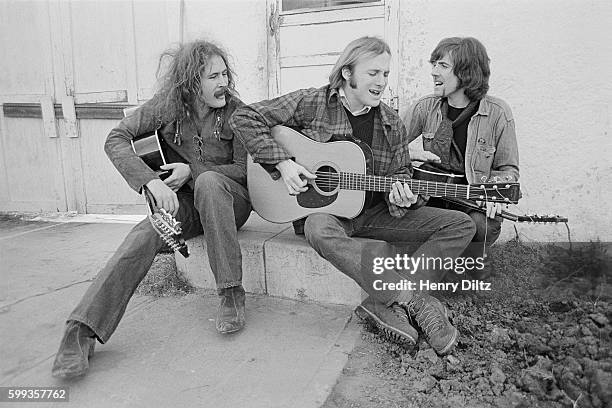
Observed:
{"x":389,"y":331}
{"x":230,"y":331}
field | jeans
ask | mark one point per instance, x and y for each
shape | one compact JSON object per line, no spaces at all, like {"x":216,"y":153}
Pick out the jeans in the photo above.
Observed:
{"x":487,"y":229}
{"x":434,"y":232}
{"x":217,"y":207}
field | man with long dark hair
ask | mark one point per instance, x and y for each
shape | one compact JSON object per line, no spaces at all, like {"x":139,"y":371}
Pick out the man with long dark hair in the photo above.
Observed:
{"x":349,"y":108}
{"x":206,"y":192}
{"x":466,"y":132}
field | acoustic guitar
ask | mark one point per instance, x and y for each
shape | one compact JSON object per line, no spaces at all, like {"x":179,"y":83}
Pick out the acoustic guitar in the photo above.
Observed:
{"x":343,"y":178}
{"x":148,"y":147}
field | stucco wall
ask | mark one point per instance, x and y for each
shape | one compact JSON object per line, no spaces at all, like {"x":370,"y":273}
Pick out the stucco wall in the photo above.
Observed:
{"x":551,"y":61}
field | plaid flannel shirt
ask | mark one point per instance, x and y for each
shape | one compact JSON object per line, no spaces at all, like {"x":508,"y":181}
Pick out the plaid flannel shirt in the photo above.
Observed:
{"x":319,"y":114}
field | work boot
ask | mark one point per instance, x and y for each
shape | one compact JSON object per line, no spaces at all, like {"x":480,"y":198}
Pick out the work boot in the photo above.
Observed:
{"x":76,"y":348}
{"x":392,"y":321}
{"x":431,"y":316}
{"x":230,"y":316}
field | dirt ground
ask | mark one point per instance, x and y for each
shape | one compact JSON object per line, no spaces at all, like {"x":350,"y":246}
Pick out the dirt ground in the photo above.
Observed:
{"x":541,"y":338}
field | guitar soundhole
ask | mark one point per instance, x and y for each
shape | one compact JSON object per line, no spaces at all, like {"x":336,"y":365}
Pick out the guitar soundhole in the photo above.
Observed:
{"x":327,"y":179}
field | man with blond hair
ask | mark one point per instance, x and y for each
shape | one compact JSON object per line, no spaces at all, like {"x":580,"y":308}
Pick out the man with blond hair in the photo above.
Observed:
{"x":350,"y":108}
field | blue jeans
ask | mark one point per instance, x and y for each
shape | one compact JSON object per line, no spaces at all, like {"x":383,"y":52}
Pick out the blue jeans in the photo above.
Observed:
{"x":217,"y":207}
{"x":427,"y":231}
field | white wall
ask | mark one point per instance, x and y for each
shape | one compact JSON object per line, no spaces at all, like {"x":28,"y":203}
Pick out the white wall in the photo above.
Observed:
{"x":552,"y":62}
{"x":240,"y":26}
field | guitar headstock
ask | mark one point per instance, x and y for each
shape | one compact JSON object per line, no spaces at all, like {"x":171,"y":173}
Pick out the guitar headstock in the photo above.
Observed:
{"x":170,"y":231}
{"x":542,"y":219}
{"x":505,"y":193}
{"x":166,"y":226}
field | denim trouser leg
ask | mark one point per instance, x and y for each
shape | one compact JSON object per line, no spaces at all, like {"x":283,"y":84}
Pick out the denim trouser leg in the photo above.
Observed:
{"x":224,"y":206}
{"x":104,"y":303}
{"x":487,"y":232}
{"x":439,"y":233}
{"x":487,"y":229}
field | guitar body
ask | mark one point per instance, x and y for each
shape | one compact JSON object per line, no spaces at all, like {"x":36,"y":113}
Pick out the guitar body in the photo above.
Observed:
{"x":149,"y":149}
{"x":428,"y":172}
{"x":343,"y":178}
{"x":270,"y":198}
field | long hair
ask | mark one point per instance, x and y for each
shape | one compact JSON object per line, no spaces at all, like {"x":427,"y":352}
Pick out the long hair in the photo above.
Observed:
{"x":470,"y":64}
{"x":180,"y":84}
{"x":364,"y":46}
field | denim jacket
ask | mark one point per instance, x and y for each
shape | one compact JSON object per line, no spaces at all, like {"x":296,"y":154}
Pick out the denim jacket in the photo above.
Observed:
{"x":224,"y":153}
{"x":491,"y":153}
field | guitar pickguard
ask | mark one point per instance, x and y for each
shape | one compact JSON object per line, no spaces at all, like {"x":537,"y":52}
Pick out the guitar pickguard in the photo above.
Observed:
{"x":312,"y":199}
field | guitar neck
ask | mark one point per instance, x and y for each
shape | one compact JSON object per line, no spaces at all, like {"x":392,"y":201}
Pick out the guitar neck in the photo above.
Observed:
{"x":361,"y":182}
{"x":544,"y":219}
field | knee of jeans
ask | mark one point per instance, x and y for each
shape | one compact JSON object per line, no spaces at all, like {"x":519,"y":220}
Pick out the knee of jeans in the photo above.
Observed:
{"x":143,"y":232}
{"x":143,"y":228}
{"x":315,"y":225}
{"x":465,"y":221}
{"x":207,"y":182}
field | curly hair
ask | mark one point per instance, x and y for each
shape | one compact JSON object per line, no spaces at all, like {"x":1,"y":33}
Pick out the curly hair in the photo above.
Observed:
{"x":470,"y":64}
{"x":180,"y":85}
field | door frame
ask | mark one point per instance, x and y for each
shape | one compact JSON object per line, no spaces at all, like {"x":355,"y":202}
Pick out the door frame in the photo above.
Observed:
{"x":278,"y":19}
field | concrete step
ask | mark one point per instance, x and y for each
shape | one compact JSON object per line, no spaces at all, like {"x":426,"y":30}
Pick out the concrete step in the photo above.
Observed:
{"x":276,"y":262}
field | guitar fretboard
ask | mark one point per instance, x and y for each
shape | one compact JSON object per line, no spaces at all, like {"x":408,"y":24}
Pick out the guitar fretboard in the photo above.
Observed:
{"x":353,"y":181}
{"x":363,"y":182}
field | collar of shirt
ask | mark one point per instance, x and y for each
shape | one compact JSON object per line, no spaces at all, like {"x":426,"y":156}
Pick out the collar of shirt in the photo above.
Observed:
{"x":346,"y":104}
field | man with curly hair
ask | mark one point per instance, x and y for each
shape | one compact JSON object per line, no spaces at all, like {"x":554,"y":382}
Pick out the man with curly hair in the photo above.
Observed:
{"x":205,"y":191}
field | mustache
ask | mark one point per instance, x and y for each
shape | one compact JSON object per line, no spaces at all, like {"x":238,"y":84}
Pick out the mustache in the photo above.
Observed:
{"x":220,"y":92}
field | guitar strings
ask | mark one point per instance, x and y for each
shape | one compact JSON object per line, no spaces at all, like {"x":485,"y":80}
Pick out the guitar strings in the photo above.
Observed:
{"x":359,"y":181}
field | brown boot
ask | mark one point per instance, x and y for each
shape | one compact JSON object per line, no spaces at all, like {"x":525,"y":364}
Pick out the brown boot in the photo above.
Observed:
{"x":76,"y":348}
{"x":230,"y":316}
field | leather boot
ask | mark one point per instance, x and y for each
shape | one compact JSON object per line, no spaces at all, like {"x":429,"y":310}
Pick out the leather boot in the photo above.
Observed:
{"x":393,"y":321}
{"x":76,"y":348}
{"x":230,"y":316}
{"x":431,"y":316}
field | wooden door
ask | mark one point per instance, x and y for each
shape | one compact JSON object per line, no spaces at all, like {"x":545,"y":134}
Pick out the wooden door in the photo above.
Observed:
{"x":68,"y":70}
{"x":307,"y":37}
